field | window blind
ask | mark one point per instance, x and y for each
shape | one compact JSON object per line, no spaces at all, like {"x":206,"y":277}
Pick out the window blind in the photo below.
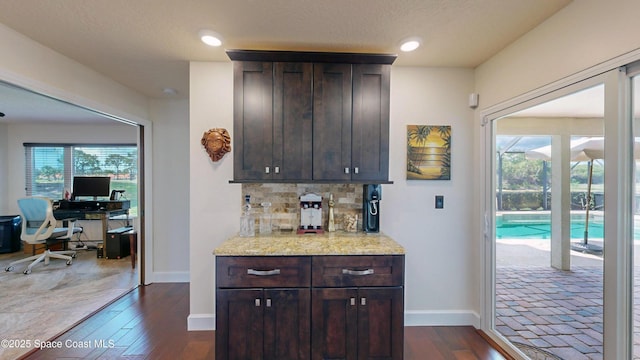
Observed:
{"x":50,"y":168}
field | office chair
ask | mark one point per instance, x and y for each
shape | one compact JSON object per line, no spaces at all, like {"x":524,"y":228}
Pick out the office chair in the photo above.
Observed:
{"x":39,"y":227}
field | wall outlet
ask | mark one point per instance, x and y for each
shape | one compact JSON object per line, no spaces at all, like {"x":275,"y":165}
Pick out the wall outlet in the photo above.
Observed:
{"x":439,"y":201}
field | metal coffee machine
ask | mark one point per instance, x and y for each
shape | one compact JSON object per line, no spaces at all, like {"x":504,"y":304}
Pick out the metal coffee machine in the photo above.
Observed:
{"x":372,"y":194}
{"x":310,"y":214}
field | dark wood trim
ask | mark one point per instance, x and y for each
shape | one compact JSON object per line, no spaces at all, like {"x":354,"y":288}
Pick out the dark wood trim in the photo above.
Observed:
{"x":142,"y":232}
{"x":307,"y":181}
{"x":494,"y":345}
{"x":310,"y":56}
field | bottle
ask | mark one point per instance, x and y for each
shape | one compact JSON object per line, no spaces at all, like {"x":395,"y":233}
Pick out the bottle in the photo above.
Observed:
{"x":265,"y":219}
{"x":247,"y":226}
{"x":332,"y":225}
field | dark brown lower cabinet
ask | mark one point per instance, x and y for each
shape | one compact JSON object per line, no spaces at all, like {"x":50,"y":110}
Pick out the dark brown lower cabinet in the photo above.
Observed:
{"x":310,"y":307}
{"x":270,"y":324}
{"x":357,"y":323}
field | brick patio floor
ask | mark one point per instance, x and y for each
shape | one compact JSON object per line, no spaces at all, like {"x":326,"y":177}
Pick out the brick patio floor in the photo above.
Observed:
{"x":557,"y":311}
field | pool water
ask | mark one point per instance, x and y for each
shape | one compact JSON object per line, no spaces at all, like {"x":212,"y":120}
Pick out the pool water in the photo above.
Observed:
{"x":542,"y":230}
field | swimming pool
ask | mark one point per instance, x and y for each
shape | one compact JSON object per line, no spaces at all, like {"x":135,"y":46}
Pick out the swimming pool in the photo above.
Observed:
{"x":537,"y":225}
{"x":542,"y":230}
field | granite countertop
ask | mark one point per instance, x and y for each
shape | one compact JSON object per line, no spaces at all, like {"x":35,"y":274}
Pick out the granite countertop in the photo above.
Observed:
{"x":289,"y":244}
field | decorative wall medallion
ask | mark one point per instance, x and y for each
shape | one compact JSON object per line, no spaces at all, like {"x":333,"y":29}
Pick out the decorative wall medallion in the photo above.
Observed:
{"x":216,"y":142}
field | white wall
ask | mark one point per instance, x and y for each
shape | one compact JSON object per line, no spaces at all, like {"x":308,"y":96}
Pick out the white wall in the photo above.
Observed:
{"x":214,"y":203}
{"x":440,"y":261}
{"x":583,"y":34}
{"x":441,"y":258}
{"x":170,"y":177}
{"x":65,"y":79}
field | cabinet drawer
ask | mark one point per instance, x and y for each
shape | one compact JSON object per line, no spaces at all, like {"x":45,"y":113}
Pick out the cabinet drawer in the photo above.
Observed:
{"x":263,"y":271}
{"x":342,"y":271}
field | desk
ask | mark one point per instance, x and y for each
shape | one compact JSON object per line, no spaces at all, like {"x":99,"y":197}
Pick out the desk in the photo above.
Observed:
{"x":82,"y":214}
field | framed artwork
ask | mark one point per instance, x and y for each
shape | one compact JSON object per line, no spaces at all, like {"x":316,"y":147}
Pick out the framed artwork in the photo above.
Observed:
{"x":428,"y":152}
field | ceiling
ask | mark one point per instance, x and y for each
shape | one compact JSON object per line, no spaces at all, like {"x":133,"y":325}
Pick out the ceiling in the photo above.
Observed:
{"x":147,"y":45}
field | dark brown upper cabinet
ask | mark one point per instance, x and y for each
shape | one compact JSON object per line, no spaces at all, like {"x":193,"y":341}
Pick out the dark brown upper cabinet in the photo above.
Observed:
{"x":370,"y":123}
{"x":292,"y":121}
{"x":311,"y":117}
{"x":252,"y":120}
{"x":332,"y":122}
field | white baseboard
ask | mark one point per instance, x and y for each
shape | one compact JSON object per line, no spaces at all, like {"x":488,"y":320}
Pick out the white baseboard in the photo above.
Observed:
{"x":169,"y":277}
{"x":442,"y":318}
{"x":201,"y":322}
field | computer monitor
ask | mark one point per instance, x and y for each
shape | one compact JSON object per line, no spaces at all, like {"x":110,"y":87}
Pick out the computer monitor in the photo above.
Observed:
{"x":93,"y":186}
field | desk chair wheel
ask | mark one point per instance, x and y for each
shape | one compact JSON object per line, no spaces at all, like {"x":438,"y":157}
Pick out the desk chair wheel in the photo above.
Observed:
{"x":8,"y":268}
{"x":27,"y":271}
{"x":69,"y":262}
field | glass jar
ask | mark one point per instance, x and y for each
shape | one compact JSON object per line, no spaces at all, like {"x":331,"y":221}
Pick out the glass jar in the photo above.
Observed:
{"x":265,"y":219}
{"x":247,"y":225}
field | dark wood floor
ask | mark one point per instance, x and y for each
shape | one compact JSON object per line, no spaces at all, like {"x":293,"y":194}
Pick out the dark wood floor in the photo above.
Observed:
{"x":150,"y":322}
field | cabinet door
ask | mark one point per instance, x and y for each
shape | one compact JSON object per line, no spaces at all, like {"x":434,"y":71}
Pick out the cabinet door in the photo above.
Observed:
{"x":292,"y":121}
{"x":287,"y":329}
{"x":239,"y":324}
{"x":370,"y":126}
{"x":334,"y":319}
{"x":252,"y":120}
{"x":332,"y":122}
{"x":380,"y":323}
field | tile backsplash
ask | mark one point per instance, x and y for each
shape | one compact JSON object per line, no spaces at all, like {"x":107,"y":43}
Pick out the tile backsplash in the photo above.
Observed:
{"x":285,"y":202}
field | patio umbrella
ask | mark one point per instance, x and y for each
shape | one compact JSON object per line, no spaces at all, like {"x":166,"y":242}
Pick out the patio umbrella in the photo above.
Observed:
{"x":577,"y":150}
{"x":588,"y":149}
{"x":583,"y":149}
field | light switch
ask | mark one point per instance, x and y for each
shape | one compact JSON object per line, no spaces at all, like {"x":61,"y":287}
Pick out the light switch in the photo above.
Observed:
{"x":439,"y":201}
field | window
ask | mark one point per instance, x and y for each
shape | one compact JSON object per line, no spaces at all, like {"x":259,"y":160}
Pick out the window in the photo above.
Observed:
{"x":50,"y":168}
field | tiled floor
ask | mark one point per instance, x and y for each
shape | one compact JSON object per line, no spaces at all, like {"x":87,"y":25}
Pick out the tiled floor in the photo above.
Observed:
{"x":557,"y":311}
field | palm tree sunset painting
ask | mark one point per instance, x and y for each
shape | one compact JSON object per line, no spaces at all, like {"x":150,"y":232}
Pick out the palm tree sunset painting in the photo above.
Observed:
{"x":428,"y":152}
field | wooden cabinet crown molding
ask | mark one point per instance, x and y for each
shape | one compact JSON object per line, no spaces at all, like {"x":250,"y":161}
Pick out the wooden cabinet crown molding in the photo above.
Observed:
{"x":310,"y":56}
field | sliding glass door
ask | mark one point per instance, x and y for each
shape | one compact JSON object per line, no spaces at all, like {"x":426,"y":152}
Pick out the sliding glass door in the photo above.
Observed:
{"x":635,"y":116}
{"x":549,"y":227}
{"x":559,"y":220}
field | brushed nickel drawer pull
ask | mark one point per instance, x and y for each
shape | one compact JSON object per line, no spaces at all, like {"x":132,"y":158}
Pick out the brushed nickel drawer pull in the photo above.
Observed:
{"x":353,"y":301}
{"x":357,"y":272}
{"x":363,"y":301}
{"x":268,"y":302}
{"x":263,"y":272}
{"x":257,"y":302}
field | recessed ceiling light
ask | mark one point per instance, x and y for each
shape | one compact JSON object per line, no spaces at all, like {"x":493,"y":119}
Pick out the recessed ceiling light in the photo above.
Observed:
{"x":210,"y":37}
{"x":410,"y":44}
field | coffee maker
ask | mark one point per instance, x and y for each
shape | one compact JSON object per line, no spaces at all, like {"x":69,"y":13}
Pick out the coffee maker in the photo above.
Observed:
{"x":372,"y":194}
